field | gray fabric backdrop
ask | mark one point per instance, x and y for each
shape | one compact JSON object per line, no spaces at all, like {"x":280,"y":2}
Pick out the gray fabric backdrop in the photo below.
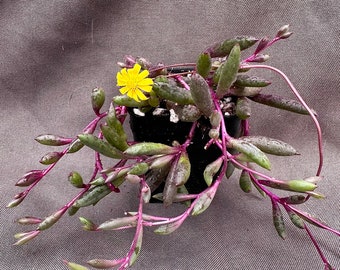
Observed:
{"x":54,"y":52}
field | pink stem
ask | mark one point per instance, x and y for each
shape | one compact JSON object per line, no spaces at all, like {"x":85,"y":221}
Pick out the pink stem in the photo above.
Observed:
{"x":296,"y":93}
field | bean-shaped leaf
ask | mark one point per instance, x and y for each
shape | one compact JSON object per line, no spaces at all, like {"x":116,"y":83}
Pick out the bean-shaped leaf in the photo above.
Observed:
{"x":244,"y":91}
{"x":178,"y":175}
{"x":222,"y":49}
{"x":149,"y":148}
{"x":243,"y":108}
{"x":295,"y":218}
{"x":203,"y":64}
{"x":229,"y":71}
{"x":53,"y":140}
{"x":169,"y":228}
{"x":50,"y":158}
{"x":114,"y":132}
{"x":200,"y":92}
{"x":278,"y":220}
{"x":92,"y":196}
{"x":270,"y":145}
{"x":173,"y":93}
{"x":139,"y":168}
{"x":245,"y":182}
{"x":114,"y":138}
{"x":138,"y":247}
{"x":97,"y":99}
{"x":116,"y":223}
{"x":204,"y":201}
{"x":211,"y":169}
{"x":251,"y":151}
{"x":281,"y":103}
{"x":245,"y":80}
{"x":100,"y":146}
{"x":129,"y":102}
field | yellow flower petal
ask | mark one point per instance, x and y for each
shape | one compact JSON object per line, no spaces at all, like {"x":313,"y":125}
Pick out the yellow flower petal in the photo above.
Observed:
{"x":124,"y":90}
{"x":140,"y":95}
{"x":141,"y":76}
{"x":133,"y":82}
{"x":145,"y":88}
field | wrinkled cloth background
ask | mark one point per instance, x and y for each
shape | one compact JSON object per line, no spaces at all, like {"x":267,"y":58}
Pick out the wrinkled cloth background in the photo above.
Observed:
{"x":54,"y":52}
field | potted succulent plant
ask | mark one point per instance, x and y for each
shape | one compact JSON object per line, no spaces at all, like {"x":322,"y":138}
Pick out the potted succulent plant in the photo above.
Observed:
{"x":190,"y":123}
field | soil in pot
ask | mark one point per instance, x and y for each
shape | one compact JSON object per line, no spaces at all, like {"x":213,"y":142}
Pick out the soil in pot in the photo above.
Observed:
{"x":157,"y":127}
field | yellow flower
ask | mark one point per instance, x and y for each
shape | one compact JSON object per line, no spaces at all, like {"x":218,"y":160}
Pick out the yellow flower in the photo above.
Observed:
{"x":133,"y":82}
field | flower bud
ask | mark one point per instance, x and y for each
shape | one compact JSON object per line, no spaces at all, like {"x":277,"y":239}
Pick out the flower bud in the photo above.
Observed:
{"x":97,"y":99}
{"x":15,"y":202}
{"x":146,"y":194}
{"x":25,"y":237}
{"x":214,"y":133}
{"x":88,"y":225}
{"x":75,"y":266}
{"x":51,"y":157}
{"x":53,"y":140}
{"x":260,"y":58}
{"x":283,"y":30}
{"x":76,"y":180}
{"x":103,"y":264}
{"x":29,"y":220}
{"x":30,"y":178}
{"x":262,"y":44}
{"x":51,"y":220}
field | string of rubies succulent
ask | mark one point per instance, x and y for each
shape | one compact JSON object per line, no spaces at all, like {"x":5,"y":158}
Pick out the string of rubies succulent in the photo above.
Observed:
{"x":215,"y":86}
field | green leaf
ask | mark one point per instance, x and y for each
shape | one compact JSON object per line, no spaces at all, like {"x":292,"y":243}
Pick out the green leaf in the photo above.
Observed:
{"x":149,"y":148}
{"x":100,"y":146}
{"x":211,"y":169}
{"x":245,"y":182}
{"x":114,"y":132}
{"x":243,"y":109}
{"x":138,"y":247}
{"x":200,"y":92}
{"x":129,"y":102}
{"x":117,"y":223}
{"x":270,"y":145}
{"x":52,"y":140}
{"x":281,"y":103}
{"x":245,"y":80}
{"x":173,"y":93}
{"x":169,"y":228}
{"x":278,"y":220}
{"x":204,"y":201}
{"x":50,"y":158}
{"x":229,"y":71}
{"x":75,"y":266}
{"x":92,"y":196}
{"x":203,"y":64}
{"x":251,"y":151}
{"x":97,"y":99}
{"x":224,"y":48}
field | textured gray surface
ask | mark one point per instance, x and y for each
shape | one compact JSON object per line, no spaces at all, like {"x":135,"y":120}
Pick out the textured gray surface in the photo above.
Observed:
{"x":54,"y":52}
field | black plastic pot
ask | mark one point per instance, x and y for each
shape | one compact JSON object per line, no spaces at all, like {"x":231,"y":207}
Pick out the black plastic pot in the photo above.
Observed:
{"x":159,"y":128}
